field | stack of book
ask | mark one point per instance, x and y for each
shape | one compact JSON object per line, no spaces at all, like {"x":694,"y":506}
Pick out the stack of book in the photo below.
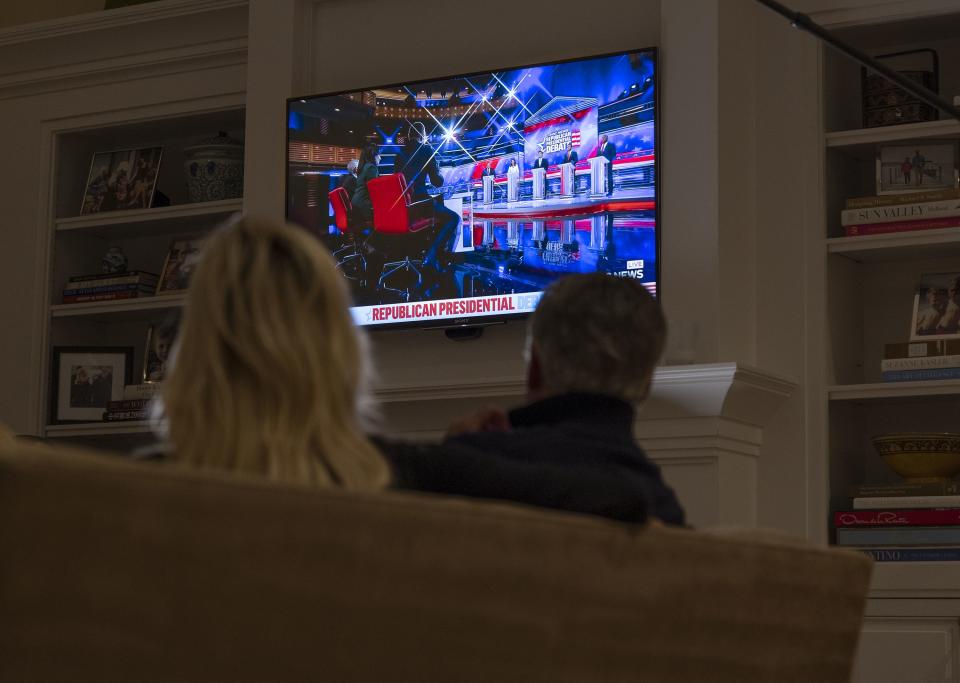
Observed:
{"x":127,"y":409}
{"x":912,"y":361}
{"x":907,"y":522}
{"x":901,"y":212}
{"x":106,"y":287}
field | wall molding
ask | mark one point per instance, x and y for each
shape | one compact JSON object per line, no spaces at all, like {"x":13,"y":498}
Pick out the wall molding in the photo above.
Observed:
{"x":114,"y":70}
{"x":121,"y":17}
{"x":882,"y":12}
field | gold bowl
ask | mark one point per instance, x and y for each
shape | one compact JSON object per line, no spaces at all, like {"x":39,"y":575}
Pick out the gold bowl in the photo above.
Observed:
{"x":920,"y":456}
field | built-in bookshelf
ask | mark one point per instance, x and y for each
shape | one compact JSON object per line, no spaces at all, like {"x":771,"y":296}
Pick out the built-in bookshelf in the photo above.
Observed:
{"x":871,"y":281}
{"x":78,"y":243}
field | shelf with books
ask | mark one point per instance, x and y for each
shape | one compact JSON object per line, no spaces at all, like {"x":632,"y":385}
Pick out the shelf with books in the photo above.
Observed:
{"x":898,"y":246}
{"x":165,"y":220}
{"x":124,"y":310}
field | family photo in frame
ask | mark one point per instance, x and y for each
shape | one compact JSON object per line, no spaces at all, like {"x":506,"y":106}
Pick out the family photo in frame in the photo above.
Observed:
{"x":919,"y":167}
{"x":86,"y":379}
{"x":121,"y":180}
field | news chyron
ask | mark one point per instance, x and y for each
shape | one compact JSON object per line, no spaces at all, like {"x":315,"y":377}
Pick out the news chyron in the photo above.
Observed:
{"x":462,"y":198}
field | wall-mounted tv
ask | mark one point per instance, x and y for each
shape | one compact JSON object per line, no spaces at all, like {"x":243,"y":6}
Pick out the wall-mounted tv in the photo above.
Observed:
{"x":457,"y":200}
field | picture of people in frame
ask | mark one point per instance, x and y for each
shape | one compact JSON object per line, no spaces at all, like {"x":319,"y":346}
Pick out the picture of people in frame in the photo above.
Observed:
{"x":179,"y":266}
{"x":916,"y":168}
{"x":90,"y":385}
{"x":159,"y":344}
{"x":936,"y":313}
{"x":122,"y":179}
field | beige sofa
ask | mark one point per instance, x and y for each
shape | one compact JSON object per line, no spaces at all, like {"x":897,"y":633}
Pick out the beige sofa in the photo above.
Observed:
{"x":120,"y":571}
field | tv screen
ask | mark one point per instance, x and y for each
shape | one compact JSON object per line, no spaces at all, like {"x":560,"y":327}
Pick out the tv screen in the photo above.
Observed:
{"x":458,"y":200}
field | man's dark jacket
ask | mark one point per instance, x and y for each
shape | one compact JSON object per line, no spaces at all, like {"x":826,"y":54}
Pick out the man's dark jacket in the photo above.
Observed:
{"x":572,"y":452}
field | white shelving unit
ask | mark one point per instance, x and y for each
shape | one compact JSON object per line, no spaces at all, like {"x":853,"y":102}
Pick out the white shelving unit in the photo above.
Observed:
{"x":870,"y":285}
{"x":145,"y":236}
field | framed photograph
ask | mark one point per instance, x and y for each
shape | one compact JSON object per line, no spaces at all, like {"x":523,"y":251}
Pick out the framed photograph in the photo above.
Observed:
{"x":121,"y":179}
{"x":177,"y":269}
{"x":157,"y":351}
{"x":936,"y":307}
{"x":918,"y":167}
{"x":85,"y":379}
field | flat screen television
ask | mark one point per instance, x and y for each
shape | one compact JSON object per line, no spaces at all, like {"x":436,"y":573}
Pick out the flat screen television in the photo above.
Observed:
{"x":475,"y":191}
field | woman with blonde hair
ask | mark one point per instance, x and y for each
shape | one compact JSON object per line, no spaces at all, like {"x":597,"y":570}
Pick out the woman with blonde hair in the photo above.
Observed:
{"x":268,"y":375}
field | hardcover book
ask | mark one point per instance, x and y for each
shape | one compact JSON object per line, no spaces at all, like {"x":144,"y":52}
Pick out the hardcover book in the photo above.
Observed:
{"x":948,"y":208}
{"x":918,"y":535}
{"x":902,"y":198}
{"x":906,"y":488}
{"x":906,"y":502}
{"x":888,"y":518}
{"x":912,"y":554}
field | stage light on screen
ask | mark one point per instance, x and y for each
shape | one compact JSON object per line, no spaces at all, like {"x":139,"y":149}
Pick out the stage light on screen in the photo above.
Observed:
{"x":495,"y":207}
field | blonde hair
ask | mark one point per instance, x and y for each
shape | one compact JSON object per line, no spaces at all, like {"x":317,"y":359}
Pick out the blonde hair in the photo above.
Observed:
{"x":269,"y":375}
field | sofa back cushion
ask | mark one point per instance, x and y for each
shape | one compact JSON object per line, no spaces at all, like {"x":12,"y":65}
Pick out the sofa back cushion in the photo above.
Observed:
{"x":113,"y":570}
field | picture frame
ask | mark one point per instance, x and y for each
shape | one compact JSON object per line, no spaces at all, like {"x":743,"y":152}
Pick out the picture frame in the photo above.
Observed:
{"x":178,"y":267}
{"x":121,"y":179}
{"x":85,"y":379}
{"x":936,"y":307}
{"x":897,"y":167}
{"x":156,"y":353}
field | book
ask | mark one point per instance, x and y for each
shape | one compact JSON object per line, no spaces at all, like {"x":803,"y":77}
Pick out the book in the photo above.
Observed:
{"x":107,"y":296}
{"x":128,"y":404}
{"x":906,"y":502}
{"x":906,"y":488}
{"x":919,"y":363}
{"x":109,"y":276}
{"x":900,"y":226}
{"x":106,"y":282}
{"x":901,"y":198}
{"x":920,"y":375}
{"x":920,"y":349}
{"x":917,"y":535}
{"x":912,"y":554}
{"x":945,"y":208}
{"x":120,"y":415}
{"x":146,"y":390}
{"x":79,"y":291}
{"x":884,"y":518}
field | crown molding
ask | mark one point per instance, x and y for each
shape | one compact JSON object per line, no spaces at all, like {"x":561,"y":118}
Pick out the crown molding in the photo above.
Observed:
{"x":882,"y":12}
{"x":113,"y":70}
{"x":113,"y":18}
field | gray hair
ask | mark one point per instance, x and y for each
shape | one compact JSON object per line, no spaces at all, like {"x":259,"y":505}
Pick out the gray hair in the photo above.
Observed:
{"x":352,"y":165}
{"x":598,"y":333}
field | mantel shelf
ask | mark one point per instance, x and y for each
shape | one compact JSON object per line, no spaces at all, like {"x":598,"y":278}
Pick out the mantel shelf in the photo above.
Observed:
{"x":893,"y":390}
{"x":883,"y":134}
{"x":181,"y":218}
{"x":125,"y":310}
{"x":898,"y":246}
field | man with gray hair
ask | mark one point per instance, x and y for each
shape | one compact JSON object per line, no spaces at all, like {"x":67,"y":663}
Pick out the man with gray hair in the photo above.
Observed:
{"x":592,"y":347}
{"x":349,"y":180}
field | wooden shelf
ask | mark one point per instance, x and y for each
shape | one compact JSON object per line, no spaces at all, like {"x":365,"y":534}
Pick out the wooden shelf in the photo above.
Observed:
{"x":862,"y":137}
{"x":126,"y":310}
{"x":165,"y":220}
{"x":893,"y":390}
{"x":97,"y":429}
{"x":898,"y":246}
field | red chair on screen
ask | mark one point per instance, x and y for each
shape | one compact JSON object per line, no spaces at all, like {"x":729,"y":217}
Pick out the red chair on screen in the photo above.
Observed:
{"x":350,"y":252}
{"x":395,"y":214}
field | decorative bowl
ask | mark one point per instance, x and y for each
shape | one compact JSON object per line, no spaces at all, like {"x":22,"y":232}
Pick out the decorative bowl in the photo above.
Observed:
{"x":920,"y":456}
{"x":214,"y":169}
